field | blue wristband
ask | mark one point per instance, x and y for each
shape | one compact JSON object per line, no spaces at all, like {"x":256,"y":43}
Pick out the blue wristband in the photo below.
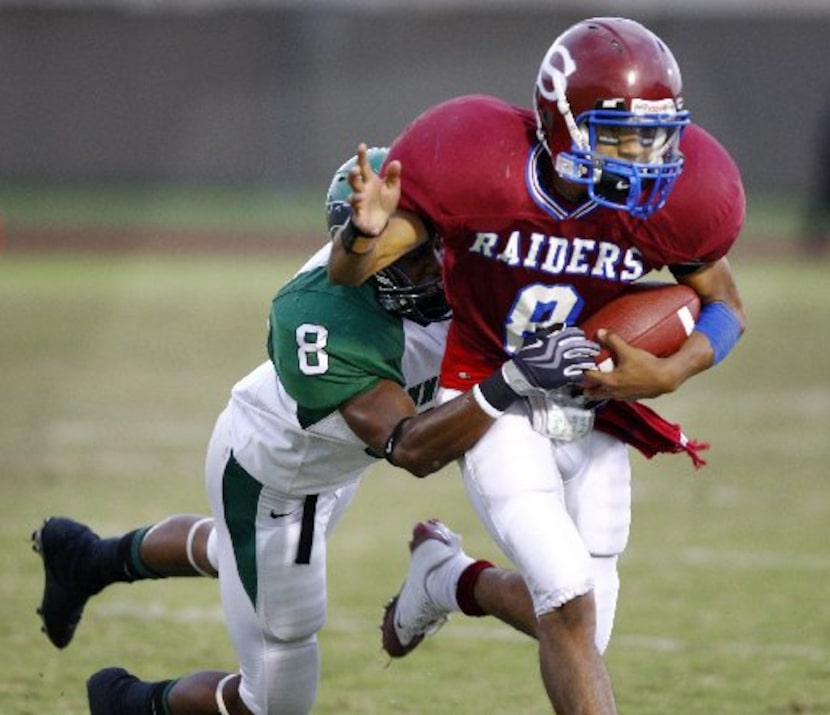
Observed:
{"x":718,"y":322}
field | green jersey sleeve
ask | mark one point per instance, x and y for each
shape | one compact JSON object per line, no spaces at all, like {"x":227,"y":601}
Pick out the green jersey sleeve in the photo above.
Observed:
{"x":330,"y":343}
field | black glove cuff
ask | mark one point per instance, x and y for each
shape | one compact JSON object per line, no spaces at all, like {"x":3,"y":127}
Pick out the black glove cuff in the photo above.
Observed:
{"x":494,"y":393}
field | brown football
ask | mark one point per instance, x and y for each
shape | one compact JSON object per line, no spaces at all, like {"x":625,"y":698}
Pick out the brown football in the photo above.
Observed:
{"x":657,"y":317}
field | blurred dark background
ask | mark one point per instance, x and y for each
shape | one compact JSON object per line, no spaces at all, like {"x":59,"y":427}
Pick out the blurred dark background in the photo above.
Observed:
{"x":279,"y":92}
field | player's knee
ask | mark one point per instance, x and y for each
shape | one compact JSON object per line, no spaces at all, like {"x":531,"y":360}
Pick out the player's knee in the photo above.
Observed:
{"x":573,"y":621}
{"x":306,"y":626}
{"x":608,"y":538}
{"x":291,"y":596}
{"x":296,"y":619}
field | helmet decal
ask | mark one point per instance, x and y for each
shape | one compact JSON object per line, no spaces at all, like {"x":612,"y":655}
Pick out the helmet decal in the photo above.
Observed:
{"x":552,"y":83}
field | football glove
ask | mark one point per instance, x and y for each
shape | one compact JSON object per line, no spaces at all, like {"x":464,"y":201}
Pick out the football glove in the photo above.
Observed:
{"x":546,"y":361}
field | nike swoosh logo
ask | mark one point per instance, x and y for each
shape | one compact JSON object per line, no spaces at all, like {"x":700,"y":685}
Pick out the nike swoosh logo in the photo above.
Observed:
{"x":274,"y":514}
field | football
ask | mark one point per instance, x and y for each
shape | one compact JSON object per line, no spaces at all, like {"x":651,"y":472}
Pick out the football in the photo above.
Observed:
{"x":656,"y":317}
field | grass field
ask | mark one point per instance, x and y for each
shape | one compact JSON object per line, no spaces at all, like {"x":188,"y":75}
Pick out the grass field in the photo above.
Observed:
{"x":114,"y":368}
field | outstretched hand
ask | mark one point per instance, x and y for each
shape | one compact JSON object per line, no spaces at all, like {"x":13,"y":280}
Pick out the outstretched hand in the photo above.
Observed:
{"x":374,"y":198}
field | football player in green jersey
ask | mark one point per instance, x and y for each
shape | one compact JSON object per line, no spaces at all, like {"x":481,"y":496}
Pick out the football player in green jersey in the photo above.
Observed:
{"x":351,"y":378}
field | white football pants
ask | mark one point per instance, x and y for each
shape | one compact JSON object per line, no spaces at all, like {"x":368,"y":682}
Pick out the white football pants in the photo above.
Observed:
{"x":272,"y":577}
{"x":560,"y":512}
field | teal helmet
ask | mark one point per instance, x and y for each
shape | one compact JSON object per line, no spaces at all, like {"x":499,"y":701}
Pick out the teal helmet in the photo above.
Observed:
{"x":397,"y":294}
{"x":338,"y":208}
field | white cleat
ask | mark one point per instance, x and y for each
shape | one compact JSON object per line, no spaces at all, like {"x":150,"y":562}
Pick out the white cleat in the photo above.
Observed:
{"x":413,"y":614}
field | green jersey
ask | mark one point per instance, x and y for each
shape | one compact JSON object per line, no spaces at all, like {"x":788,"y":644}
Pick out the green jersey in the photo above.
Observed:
{"x":327,"y":343}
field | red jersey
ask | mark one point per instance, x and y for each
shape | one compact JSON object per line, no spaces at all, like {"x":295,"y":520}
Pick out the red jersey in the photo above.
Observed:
{"x":517,"y":256}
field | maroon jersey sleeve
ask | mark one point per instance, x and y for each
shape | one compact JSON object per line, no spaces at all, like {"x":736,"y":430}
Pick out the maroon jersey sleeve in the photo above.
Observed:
{"x":463,"y":172}
{"x":451,"y":154}
{"x":705,"y":211}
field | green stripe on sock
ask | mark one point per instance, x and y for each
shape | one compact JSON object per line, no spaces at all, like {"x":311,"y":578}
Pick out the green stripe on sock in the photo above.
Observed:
{"x":136,"y":565}
{"x":165,"y":706}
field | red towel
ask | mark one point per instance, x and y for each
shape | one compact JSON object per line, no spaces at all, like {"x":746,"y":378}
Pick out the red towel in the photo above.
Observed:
{"x":643,"y":428}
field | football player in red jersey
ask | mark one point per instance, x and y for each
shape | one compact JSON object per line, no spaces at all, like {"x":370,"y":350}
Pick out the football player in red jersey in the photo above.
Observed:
{"x":545,"y":215}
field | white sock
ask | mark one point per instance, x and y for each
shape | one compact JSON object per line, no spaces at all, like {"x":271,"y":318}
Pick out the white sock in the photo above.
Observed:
{"x":442,"y":583}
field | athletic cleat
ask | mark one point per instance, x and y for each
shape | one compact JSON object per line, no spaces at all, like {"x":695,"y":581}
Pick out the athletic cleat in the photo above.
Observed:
{"x":107,"y":689}
{"x":64,"y":546}
{"x":412,"y":615}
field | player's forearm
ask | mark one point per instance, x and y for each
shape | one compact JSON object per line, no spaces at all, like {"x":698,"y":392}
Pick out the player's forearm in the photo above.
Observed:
{"x":694,"y":356}
{"x":722,"y":316}
{"x":353,"y":262}
{"x":351,"y":268}
{"x":427,"y":442}
{"x":546,"y":361}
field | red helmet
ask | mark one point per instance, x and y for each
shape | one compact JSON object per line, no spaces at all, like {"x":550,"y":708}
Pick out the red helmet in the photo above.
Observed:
{"x":612,"y":72}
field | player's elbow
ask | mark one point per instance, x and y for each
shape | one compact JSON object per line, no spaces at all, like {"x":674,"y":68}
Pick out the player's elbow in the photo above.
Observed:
{"x":416,"y":460}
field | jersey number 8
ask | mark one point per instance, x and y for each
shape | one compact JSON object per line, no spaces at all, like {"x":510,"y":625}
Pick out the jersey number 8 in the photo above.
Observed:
{"x":311,"y":348}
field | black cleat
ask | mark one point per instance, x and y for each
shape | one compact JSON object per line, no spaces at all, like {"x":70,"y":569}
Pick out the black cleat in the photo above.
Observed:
{"x":65,"y":547}
{"x":107,"y":693}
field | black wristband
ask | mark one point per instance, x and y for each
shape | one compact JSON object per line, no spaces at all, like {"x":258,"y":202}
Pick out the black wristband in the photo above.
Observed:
{"x":496,"y":392}
{"x":349,"y":234}
{"x":392,"y":440}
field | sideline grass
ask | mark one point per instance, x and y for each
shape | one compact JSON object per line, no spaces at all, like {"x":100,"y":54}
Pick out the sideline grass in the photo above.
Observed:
{"x":114,"y":368}
{"x":166,"y":206}
{"x":258,"y":207}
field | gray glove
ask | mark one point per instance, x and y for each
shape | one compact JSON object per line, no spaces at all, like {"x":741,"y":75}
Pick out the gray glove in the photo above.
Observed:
{"x":546,"y":361}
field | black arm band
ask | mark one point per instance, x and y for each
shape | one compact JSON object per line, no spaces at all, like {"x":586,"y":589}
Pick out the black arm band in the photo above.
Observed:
{"x":681,"y":270}
{"x":349,"y":234}
{"x":495,"y":393}
{"x":392,"y":440}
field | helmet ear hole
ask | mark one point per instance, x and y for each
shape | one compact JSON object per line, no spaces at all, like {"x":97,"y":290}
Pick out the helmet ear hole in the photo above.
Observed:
{"x":337,"y":213}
